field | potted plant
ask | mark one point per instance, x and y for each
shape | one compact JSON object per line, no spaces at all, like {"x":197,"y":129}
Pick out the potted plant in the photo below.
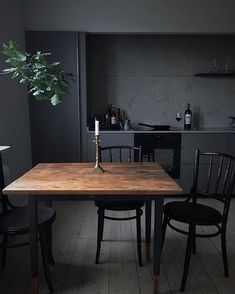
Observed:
{"x":45,"y":80}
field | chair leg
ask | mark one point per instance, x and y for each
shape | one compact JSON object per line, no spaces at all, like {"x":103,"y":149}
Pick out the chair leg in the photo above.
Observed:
{"x":4,"y":250}
{"x":49,"y":241}
{"x":45,"y":257}
{"x":99,"y":233}
{"x":224,"y":250}
{"x":153,"y":156}
{"x":148,"y":157}
{"x":194,"y":240}
{"x":148,"y":216}
{"x":164,"y":225}
{"x":187,"y":258}
{"x":138,"y":230}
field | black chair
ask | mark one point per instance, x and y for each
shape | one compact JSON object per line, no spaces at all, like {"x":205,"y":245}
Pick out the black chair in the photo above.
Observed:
{"x":120,"y":154}
{"x":14,"y":221}
{"x":213,"y":178}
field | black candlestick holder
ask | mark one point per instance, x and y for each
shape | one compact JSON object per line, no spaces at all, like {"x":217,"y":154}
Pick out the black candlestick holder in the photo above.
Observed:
{"x":97,"y":168}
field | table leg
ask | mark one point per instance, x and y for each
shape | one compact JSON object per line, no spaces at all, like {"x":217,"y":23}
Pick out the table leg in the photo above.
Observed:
{"x":33,"y":216}
{"x":157,"y":246}
{"x":148,"y":215}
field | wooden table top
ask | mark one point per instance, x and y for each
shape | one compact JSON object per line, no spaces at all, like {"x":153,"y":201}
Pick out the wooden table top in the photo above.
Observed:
{"x":3,"y":148}
{"x":79,"y":179}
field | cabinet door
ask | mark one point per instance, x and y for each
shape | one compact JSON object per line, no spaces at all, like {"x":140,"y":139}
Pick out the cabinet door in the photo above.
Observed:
{"x":231,"y":144}
{"x":55,"y":131}
{"x":205,"y":142}
{"x":108,"y":140}
{"x":186,"y":177}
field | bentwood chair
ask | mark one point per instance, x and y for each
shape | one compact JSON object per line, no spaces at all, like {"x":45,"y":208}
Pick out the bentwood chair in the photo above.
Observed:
{"x":14,"y":221}
{"x":213,"y":179}
{"x":120,"y":154}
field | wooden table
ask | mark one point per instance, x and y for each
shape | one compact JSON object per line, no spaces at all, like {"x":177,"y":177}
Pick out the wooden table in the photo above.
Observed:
{"x":77,"y":181}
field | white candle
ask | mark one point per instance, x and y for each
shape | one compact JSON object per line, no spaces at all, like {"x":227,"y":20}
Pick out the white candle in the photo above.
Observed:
{"x":97,"y":131}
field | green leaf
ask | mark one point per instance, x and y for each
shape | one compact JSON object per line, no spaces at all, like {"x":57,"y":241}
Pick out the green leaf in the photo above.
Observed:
{"x":12,"y":44}
{"x":9,"y":70}
{"x":46,"y":80}
{"x":32,"y":89}
{"x":22,"y":57}
{"x":23,"y":81}
{"x":15,"y":74}
{"x":55,"y":100}
{"x":39,"y":66}
{"x":38,"y":92}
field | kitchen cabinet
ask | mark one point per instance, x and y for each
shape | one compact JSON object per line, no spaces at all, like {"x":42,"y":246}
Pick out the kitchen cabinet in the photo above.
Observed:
{"x":204,"y":141}
{"x":231,"y":148}
{"x":231,"y":144}
{"x":55,"y":131}
{"x":186,"y":177}
{"x":217,"y":142}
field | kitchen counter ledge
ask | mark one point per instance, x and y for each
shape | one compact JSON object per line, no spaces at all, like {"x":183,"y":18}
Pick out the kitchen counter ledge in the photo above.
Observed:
{"x":173,"y":130}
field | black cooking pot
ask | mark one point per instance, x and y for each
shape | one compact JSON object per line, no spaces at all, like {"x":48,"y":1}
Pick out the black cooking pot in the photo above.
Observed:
{"x":156,"y":127}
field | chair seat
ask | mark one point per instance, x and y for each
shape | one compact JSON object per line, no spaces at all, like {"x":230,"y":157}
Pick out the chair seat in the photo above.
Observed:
{"x":189,"y":212}
{"x":119,"y":205}
{"x":16,"y":220}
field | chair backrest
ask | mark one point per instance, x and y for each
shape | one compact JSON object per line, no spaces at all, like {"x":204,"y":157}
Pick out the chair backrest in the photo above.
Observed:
{"x":122,"y":153}
{"x":214,"y":177}
{"x":3,"y":198}
{"x":5,"y":203}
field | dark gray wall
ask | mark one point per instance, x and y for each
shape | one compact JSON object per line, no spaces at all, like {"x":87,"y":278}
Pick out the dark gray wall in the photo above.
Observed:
{"x":161,"y":16}
{"x":14,"y":113}
{"x":152,"y":77}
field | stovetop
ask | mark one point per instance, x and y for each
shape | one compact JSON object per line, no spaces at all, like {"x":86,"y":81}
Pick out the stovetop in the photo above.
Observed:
{"x":143,"y":126}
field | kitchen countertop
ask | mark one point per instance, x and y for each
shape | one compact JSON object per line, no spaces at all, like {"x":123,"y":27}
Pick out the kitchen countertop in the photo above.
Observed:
{"x":172,"y":130}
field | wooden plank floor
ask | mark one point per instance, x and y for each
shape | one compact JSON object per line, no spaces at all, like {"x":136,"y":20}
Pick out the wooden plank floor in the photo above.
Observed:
{"x":118,"y":271}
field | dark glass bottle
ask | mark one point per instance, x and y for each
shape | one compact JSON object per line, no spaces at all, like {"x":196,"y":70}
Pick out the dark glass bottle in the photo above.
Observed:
{"x":188,"y":118}
{"x":113,"y":117}
{"x":118,"y":116}
{"x":108,"y":116}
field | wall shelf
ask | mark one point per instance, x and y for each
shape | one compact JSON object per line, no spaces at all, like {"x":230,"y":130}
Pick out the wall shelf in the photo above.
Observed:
{"x":215,"y":74}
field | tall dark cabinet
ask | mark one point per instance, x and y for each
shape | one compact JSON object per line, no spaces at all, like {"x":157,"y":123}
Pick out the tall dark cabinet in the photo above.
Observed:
{"x":56,"y":131}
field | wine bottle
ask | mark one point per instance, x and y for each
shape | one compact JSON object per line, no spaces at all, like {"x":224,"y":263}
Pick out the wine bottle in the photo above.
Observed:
{"x":113,"y":117}
{"x":188,"y":118}
{"x":108,"y":116}
{"x":118,"y":116}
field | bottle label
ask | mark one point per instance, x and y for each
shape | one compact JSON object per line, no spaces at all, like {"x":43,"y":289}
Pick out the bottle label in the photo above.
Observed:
{"x":188,"y":119}
{"x":113,"y":120}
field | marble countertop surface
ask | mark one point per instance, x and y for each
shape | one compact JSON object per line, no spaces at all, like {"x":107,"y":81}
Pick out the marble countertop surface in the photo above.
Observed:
{"x":172,"y":130}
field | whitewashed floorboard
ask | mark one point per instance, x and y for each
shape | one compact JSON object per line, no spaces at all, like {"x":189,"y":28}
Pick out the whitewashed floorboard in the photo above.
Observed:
{"x":144,"y":273}
{"x":74,"y":236}
{"x":197,"y":273}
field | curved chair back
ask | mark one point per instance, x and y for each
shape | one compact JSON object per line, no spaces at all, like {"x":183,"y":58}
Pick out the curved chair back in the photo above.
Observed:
{"x":3,"y":198}
{"x":122,"y":153}
{"x":214,"y":177}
